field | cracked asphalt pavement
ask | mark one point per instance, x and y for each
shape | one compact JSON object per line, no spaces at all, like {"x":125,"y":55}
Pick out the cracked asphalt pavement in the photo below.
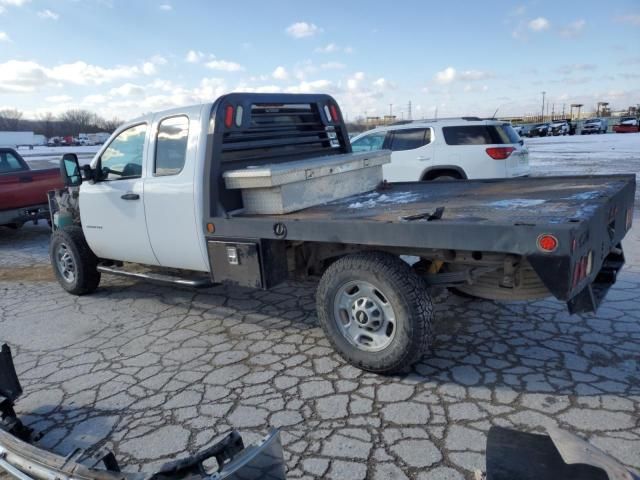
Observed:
{"x":154,"y":373}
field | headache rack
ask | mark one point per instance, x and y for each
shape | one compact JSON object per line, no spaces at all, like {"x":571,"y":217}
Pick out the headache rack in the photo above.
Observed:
{"x":253,"y":129}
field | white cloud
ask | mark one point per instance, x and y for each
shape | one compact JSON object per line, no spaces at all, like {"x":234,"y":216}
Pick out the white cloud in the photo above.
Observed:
{"x":539,"y":24}
{"x":280,"y":73}
{"x":473,"y":75}
{"x":354,"y":81}
{"x":48,"y":14}
{"x":2,"y":9}
{"x":128,"y":90}
{"x":4,"y":37}
{"x":24,"y":76}
{"x":446,"y":76}
{"x":166,"y":7}
{"x":576,"y":67}
{"x":194,"y":56}
{"x":333,"y":48}
{"x":158,"y":60}
{"x":630,"y":18}
{"x":450,"y":74}
{"x":303,"y":29}
{"x":95,"y":99}
{"x":574,"y":28}
{"x":148,"y":68}
{"x":59,"y":99}
{"x":224,"y":65}
{"x":14,"y":3}
{"x":315,"y":86}
{"x":332,"y":66}
{"x":329,"y":48}
{"x":82,"y":73}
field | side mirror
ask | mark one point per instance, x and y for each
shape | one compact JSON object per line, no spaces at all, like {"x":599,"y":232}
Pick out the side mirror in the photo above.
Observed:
{"x":70,"y":170}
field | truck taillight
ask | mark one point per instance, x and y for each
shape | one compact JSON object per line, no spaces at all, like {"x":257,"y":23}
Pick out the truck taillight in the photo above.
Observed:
{"x":629,"y":219}
{"x":500,"y":153}
{"x":228,"y":116}
{"x":334,"y":112}
{"x":547,"y":242}
{"x":582,"y":269}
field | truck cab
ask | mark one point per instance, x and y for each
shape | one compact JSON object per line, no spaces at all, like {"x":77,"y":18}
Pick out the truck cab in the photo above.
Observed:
{"x":146,"y":185}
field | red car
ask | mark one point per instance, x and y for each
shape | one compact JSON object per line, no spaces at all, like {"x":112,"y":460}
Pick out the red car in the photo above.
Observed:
{"x":23,"y":192}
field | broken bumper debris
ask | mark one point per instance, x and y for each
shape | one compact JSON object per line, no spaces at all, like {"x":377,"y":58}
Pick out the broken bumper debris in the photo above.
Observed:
{"x":24,"y":461}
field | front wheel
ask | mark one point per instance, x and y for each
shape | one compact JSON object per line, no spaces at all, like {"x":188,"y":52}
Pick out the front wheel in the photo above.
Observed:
{"x":375,"y":310}
{"x":74,"y":264}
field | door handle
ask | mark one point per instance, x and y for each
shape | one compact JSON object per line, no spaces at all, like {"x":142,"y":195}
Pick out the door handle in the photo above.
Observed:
{"x":423,"y":159}
{"x":130,"y":196}
{"x":26,"y":179}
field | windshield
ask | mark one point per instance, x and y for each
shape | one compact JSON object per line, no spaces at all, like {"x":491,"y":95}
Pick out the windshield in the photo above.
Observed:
{"x":593,"y":120}
{"x":372,"y":141}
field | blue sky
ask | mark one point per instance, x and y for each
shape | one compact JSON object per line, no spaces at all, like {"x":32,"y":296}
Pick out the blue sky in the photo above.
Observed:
{"x":124,"y":58}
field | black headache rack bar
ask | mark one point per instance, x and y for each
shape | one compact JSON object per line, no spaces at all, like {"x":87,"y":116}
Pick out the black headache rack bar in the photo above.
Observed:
{"x":25,"y":461}
{"x":251,"y":129}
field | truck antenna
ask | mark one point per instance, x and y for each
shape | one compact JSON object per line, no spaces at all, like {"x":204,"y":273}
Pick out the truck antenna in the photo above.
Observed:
{"x":495,"y":113}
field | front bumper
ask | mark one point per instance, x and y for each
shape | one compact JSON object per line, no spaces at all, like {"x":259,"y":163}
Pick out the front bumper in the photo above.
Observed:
{"x":25,"y":461}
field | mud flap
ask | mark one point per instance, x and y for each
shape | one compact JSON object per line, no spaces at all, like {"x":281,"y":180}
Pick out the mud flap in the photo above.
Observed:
{"x":513,"y":455}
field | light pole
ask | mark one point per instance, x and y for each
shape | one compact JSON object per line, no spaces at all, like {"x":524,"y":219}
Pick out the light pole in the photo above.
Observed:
{"x":543,"y":94}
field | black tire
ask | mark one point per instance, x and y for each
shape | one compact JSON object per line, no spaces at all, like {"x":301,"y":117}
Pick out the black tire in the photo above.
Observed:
{"x":442,"y":178}
{"x":398,"y":286}
{"x":79,"y":275}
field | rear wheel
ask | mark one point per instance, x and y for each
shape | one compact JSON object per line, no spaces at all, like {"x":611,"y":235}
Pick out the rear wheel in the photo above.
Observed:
{"x":375,"y":311}
{"x":74,"y":264}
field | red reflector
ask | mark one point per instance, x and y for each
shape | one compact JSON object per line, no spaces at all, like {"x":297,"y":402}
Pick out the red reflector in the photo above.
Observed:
{"x":500,"y":153}
{"x":228,"y":116}
{"x":547,"y":243}
{"x":334,"y":112}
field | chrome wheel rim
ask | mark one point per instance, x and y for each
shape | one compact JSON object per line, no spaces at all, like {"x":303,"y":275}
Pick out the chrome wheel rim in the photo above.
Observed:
{"x":64,"y":262}
{"x":364,"y":316}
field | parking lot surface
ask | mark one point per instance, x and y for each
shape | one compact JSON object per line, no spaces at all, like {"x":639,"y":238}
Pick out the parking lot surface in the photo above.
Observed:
{"x":154,"y":373}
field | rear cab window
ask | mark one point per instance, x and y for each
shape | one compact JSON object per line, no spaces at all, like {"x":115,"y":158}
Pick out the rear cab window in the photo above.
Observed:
{"x":409,"y":139}
{"x":480,"y":135}
{"x":171,"y":145}
{"x":10,"y":163}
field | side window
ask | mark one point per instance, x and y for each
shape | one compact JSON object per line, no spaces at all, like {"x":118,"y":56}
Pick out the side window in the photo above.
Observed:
{"x":171,"y":145}
{"x":9,"y":163}
{"x":123,"y":157}
{"x":368,"y":143}
{"x":410,"y":139}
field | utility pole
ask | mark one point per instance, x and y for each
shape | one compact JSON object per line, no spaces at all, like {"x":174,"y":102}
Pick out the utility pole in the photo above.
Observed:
{"x":543,"y":94}
{"x":409,"y":111}
{"x":553,"y":111}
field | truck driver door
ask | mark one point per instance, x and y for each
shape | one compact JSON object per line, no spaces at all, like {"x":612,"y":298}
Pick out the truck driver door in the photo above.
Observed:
{"x":112,"y":209}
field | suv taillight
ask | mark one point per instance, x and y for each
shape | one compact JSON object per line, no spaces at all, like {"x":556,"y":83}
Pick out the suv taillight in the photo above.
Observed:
{"x":500,"y":153}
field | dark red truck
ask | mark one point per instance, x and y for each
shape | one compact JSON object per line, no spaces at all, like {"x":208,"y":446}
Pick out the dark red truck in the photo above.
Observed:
{"x":23,"y":192}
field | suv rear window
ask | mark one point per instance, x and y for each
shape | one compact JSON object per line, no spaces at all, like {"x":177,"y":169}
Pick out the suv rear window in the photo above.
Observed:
{"x":409,"y":139}
{"x":477,"y":135}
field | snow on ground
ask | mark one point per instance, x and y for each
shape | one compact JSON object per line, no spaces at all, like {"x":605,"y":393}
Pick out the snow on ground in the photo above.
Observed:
{"x":47,"y":157}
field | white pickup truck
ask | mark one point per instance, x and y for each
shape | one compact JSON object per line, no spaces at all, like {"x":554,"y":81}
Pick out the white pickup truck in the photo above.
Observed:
{"x":160,"y":201}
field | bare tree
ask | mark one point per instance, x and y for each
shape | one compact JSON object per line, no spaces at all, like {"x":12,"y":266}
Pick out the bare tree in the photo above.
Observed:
{"x":79,"y":121}
{"x":10,"y":119}
{"x":46,"y":124}
{"x":110,"y":125}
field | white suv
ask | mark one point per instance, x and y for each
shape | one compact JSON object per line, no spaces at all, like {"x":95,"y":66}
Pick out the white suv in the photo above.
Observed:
{"x":445,"y":149}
